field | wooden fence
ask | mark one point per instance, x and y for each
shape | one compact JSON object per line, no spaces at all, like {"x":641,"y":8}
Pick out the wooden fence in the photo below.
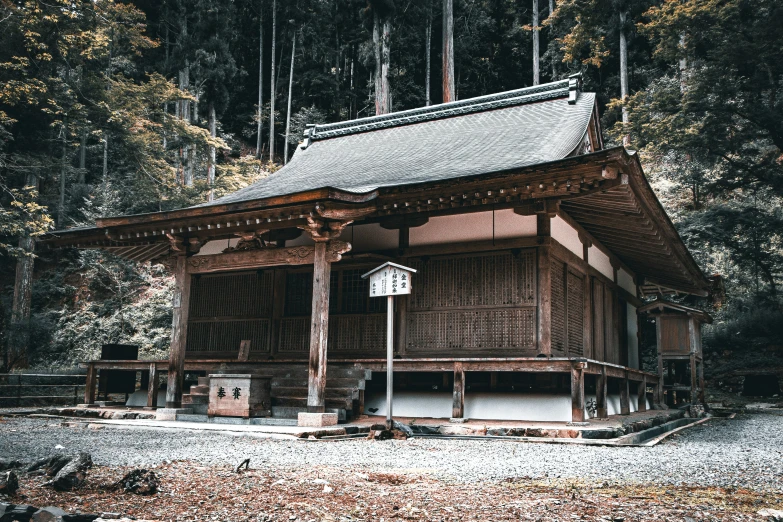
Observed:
{"x":40,"y":389}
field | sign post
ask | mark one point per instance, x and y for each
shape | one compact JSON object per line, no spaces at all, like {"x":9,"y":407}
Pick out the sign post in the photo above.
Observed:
{"x":388,"y":280}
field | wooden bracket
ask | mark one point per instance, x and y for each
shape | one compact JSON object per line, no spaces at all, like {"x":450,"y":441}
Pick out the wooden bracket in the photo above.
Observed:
{"x":342,"y":212}
{"x":321,"y":231}
{"x":547,"y":207}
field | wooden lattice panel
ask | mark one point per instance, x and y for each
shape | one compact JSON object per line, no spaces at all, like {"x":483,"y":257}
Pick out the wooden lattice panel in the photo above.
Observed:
{"x":357,"y":333}
{"x":558,"y":308}
{"x":575,"y":314}
{"x":599,"y":334}
{"x":294,"y":335}
{"x":231,"y":295}
{"x":225,"y":336}
{"x":510,"y":329}
{"x":487,"y":279}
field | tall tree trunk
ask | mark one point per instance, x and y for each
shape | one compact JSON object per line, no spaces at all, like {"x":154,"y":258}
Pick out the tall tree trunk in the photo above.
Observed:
{"x":385,"y":59}
{"x":105,"y":176}
{"x":536,"y":50}
{"x":288,"y":112}
{"x":19,"y":336}
{"x":427,"y":52}
{"x":376,"y":45}
{"x":551,"y":39}
{"x":63,"y":173}
{"x":83,"y":157}
{"x":272,"y":86}
{"x":448,"y":51}
{"x":259,"y":128}
{"x":624,"y":73}
{"x":211,"y":160}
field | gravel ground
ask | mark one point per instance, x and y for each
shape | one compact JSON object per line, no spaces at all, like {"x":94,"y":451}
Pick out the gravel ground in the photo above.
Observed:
{"x":744,"y":452}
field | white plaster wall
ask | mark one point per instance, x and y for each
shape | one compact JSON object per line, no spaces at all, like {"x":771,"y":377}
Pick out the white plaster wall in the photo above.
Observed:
{"x":489,"y":405}
{"x":478,"y":405}
{"x":566,"y":235}
{"x":216,"y":247}
{"x":600,"y":262}
{"x":633,"y":340}
{"x":476,"y":226}
{"x":625,"y":280}
{"x":138,"y":399}
{"x":364,"y":238}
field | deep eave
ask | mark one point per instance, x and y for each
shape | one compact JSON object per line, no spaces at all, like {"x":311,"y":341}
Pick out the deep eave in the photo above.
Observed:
{"x":620,"y":211}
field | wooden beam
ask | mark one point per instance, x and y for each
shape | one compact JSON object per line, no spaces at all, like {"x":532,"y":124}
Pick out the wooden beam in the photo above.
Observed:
{"x":641,"y":395}
{"x":602,"y":411}
{"x":152,"y":387}
{"x":458,"y":397}
{"x":577,"y":394}
{"x":319,"y":330}
{"x":625,"y":398}
{"x":179,"y":333}
{"x":272,"y":256}
{"x":89,"y":385}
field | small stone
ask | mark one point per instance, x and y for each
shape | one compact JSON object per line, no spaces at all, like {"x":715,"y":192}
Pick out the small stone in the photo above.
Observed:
{"x":328,"y":489}
{"x":48,"y":514}
{"x":9,"y":482}
{"x":139,"y":481}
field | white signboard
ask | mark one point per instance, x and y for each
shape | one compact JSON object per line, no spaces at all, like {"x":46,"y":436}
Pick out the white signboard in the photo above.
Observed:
{"x":390,"y":280}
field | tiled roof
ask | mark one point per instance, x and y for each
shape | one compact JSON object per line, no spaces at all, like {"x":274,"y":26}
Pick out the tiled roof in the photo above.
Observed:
{"x":477,"y":136}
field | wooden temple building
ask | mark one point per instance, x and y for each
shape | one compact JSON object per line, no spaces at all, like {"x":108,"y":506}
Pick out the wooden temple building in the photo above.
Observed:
{"x":534,"y":246}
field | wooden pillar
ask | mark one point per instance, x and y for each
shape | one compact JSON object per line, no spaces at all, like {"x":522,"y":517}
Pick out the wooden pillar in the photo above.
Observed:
{"x":458,"y":403}
{"x":89,"y":385}
{"x":601,"y":409}
{"x":701,"y":381}
{"x":152,"y":387}
{"x":658,"y":335}
{"x":694,"y":381}
{"x":319,"y":330}
{"x":179,"y":333}
{"x":544,"y":286}
{"x":641,"y":394}
{"x":625,"y":399}
{"x":577,"y":393}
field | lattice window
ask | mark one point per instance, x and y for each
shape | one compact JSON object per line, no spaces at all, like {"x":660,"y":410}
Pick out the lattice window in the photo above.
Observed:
{"x":472,"y":330}
{"x":575,"y":314}
{"x":295,"y":334}
{"x":231,"y":295}
{"x":558,"y":308}
{"x":480,"y":280}
{"x":357,"y":333}
{"x":225,"y":336}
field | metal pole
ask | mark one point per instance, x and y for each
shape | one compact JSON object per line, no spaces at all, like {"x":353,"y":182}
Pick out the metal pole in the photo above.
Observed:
{"x":389,"y":359}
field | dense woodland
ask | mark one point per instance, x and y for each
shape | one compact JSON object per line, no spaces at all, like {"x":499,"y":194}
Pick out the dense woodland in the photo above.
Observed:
{"x":110,"y":108}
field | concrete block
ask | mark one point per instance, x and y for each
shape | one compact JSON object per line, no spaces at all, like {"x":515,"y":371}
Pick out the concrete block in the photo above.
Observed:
{"x":317,"y":420}
{"x":171,"y":413}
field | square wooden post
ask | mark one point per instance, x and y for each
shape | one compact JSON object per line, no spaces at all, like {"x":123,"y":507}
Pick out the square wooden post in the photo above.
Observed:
{"x":601,"y":410}
{"x":625,"y":400}
{"x":179,"y":333}
{"x":701,"y":381}
{"x":641,"y":394}
{"x":89,"y":385}
{"x":544,"y":286}
{"x":319,"y":331}
{"x":577,"y":393}
{"x":152,"y":387}
{"x":694,"y":398}
{"x":458,"y":400}
{"x":658,"y":336}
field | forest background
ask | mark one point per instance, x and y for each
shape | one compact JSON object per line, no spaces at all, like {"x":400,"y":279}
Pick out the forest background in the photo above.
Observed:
{"x":110,"y":108}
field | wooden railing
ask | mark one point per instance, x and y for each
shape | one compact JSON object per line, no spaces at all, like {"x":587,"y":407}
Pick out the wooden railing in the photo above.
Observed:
{"x":36,"y":389}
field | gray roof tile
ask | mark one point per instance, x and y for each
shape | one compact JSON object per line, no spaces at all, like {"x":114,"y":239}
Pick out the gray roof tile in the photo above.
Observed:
{"x":470,"y":137}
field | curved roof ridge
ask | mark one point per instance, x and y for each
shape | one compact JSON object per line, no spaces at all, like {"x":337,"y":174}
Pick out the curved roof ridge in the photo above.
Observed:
{"x":522,"y":96}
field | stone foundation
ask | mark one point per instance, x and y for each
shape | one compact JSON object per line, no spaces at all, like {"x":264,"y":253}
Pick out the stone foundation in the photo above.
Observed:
{"x":317,"y":420}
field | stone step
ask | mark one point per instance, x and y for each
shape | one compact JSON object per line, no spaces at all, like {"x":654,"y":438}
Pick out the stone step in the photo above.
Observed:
{"x":255,"y":421}
{"x":301,"y":391}
{"x":204,"y":381}
{"x":297,"y":382}
{"x":201,"y":389}
{"x":189,"y":399}
{"x":292,"y":412}
{"x":301,"y":402}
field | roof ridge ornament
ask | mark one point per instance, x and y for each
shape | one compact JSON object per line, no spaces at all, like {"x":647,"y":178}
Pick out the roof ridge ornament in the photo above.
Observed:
{"x":574,"y":88}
